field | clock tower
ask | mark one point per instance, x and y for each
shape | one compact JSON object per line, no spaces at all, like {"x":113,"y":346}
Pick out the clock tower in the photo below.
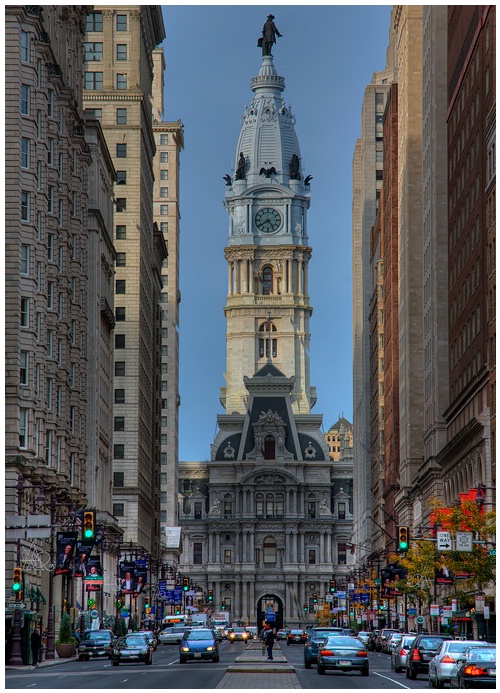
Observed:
{"x":267,"y":309}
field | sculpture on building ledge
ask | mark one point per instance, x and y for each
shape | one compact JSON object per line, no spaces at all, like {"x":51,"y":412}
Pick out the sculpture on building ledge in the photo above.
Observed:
{"x":240,"y":171}
{"x":216,"y":508}
{"x":269,"y":34}
{"x":294,"y":168}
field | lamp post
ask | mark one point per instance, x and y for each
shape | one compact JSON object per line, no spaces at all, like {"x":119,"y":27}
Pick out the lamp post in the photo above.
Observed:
{"x":117,"y":615}
{"x":49,"y":653}
{"x":16,"y":658}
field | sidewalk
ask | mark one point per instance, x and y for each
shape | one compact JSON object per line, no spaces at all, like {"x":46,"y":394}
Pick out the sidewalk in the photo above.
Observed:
{"x":42,"y":665}
{"x":253,"y":670}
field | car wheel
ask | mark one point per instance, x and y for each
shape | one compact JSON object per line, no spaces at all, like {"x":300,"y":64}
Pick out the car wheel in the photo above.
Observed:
{"x":365,"y":671}
{"x":149,"y":660}
{"x":392,"y":665}
{"x":413,"y":674}
{"x":87,"y":658}
{"x":182,"y":660}
{"x":321,"y":669}
{"x":439,"y":683}
{"x":407,"y":673}
{"x":307,"y":664}
{"x":115,"y":662}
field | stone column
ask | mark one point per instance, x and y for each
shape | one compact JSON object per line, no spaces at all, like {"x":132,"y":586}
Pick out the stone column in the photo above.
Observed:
{"x":237,"y":598}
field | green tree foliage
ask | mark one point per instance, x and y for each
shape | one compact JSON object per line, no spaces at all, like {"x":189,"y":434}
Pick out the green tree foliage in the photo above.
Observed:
{"x":123,"y":627}
{"x":65,"y":631}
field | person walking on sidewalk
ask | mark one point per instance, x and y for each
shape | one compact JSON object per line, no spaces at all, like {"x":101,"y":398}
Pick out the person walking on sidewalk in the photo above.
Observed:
{"x":36,"y":646}
{"x":270,"y":643}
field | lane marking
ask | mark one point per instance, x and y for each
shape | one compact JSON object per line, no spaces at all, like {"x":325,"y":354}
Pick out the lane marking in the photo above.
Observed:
{"x":389,"y":679}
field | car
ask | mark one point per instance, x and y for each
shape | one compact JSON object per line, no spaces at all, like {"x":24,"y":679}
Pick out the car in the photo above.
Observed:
{"x":238,"y":633}
{"x":393,"y":642}
{"x":219,"y":634}
{"x":152,"y":639}
{"x":421,"y":651}
{"x":96,"y":643}
{"x":373,"y":640}
{"x":476,"y":668}
{"x":199,"y":643}
{"x":364,"y":636}
{"x":282,"y":634}
{"x":315,"y":639}
{"x":343,"y":653}
{"x":172,"y":636}
{"x":445,"y":662}
{"x":299,"y":636}
{"x":382,"y":642}
{"x":133,"y":647}
{"x":399,"y":653}
{"x":253,"y":632}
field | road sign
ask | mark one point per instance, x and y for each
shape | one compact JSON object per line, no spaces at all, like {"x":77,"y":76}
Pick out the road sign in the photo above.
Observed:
{"x":443,"y":541}
{"x":94,"y":613}
{"x":420,"y":619}
{"x":16,"y":605}
{"x":464,"y":541}
{"x":434,"y":609}
{"x":329,"y":598}
{"x":91,"y":602}
{"x":492,"y":552}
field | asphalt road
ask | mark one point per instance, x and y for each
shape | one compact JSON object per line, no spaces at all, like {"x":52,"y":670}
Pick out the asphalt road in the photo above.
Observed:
{"x":166,"y":672}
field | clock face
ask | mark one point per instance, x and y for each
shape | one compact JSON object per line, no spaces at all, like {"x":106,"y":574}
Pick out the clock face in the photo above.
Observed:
{"x":268,"y":220}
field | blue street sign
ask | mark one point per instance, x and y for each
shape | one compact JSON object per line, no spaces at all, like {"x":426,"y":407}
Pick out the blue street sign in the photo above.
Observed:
{"x":162,"y":588}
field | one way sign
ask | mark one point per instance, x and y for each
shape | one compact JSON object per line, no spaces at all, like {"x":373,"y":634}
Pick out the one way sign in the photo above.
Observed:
{"x":443,"y":541}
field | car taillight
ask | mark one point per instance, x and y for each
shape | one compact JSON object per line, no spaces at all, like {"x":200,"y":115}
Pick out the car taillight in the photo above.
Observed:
{"x":327,"y":653}
{"x":361,"y":653}
{"x":447,"y":660}
{"x":416,"y":656}
{"x":473,"y":670}
{"x":403,"y":652}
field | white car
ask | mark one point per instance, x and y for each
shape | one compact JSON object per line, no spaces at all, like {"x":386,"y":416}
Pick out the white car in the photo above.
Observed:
{"x":363,"y":636}
{"x":444,"y":665}
{"x":172,"y":636}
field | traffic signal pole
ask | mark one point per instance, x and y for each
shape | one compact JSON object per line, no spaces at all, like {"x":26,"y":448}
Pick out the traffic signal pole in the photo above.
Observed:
{"x":15,"y":657}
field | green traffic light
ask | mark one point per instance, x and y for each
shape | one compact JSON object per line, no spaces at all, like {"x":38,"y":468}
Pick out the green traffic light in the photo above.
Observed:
{"x":88,"y":534}
{"x":16,"y":586}
{"x":403,"y":545}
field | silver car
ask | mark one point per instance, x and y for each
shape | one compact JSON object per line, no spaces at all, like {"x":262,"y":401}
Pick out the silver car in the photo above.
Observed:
{"x":364,"y":637}
{"x":399,"y":653}
{"x":172,"y":636}
{"x":444,"y":664}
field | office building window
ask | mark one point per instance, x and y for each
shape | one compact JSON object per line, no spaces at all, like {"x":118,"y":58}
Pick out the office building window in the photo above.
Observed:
{"x":119,"y":368}
{"x":164,"y":210}
{"x":50,"y":103}
{"x":269,"y":548}
{"x":93,"y":51}
{"x":50,"y":343}
{"x":25,"y":152}
{"x":25,"y":312}
{"x":121,"y":259}
{"x":121,"y":204}
{"x":164,"y":174}
{"x":23,"y":368}
{"x":119,"y":424}
{"x":96,"y":113}
{"x":25,"y":99}
{"x":312,"y":556}
{"x":25,"y":47}
{"x":25,"y":259}
{"x":120,"y":286}
{"x":119,"y":396}
{"x":227,"y":556}
{"x":119,"y":451}
{"x":25,"y":205}
{"x":50,"y":200}
{"x":94,"y":22}
{"x":121,"y":22}
{"x":119,"y":341}
{"x":23,"y":428}
{"x":342,"y":554}
{"x":198,"y":553}
{"x":94,"y":80}
{"x":163,"y":515}
{"x":164,"y":227}
{"x":121,"y":81}
{"x":121,"y":51}
{"x":121,"y":178}
{"x":119,"y":479}
{"x":120,"y":314}
{"x":121,"y":116}
{"x":119,"y":509}
{"x":164,"y":157}
{"x":121,"y":232}
{"x":163,"y":139}
{"x":121,"y":151}
{"x":163,"y":192}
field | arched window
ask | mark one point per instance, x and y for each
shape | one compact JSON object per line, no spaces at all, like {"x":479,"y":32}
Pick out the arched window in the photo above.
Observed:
{"x":267,"y":281}
{"x":269,"y":448}
{"x":269,"y":551}
{"x":264,"y":342}
{"x":259,"y":505}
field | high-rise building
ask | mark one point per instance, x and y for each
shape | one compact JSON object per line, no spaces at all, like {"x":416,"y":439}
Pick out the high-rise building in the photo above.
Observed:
{"x":264,"y":525}
{"x":169,"y":141}
{"x":118,"y":78}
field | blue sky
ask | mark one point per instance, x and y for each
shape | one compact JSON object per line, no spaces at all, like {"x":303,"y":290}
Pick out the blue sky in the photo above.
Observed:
{"x":327,"y":56}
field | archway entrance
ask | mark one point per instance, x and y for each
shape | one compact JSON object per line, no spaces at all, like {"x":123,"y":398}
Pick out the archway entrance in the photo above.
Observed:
{"x":270,"y":610}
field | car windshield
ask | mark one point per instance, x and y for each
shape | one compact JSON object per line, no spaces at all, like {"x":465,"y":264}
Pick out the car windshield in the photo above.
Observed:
{"x":456,"y":647}
{"x":135,"y":640}
{"x":97,"y":635}
{"x":343,"y":641}
{"x":408,"y":640}
{"x":296,"y":632}
{"x":483,"y":654}
{"x":430,"y":643}
{"x":200,"y":635}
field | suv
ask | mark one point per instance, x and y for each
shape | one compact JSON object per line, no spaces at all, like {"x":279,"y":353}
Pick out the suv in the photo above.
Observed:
{"x":421,"y":651}
{"x":96,"y":643}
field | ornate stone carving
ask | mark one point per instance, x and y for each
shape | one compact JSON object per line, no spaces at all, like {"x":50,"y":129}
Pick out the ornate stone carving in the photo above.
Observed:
{"x":310,"y":452}
{"x":229,"y":452}
{"x":267,"y":479}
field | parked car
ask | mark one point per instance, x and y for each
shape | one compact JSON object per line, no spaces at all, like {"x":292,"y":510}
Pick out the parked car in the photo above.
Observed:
{"x":294,"y":636}
{"x":281,"y":634}
{"x":364,"y":636}
{"x":238,"y":633}
{"x":372,"y":643}
{"x":383,"y":639}
{"x":133,"y":647}
{"x":96,"y":643}
{"x":422,"y":650}
{"x":316,"y":637}
{"x":476,"y":668}
{"x":400,"y":653}
{"x":444,"y":662}
{"x":344,"y":653}
{"x":393,"y":641}
{"x":253,"y":632}
{"x":172,"y":636}
{"x":151,"y":637}
{"x":199,"y":643}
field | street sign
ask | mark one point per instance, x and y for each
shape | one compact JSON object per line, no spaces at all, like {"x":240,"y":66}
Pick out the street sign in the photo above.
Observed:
{"x":420,"y":619}
{"x":492,"y":552}
{"x":16,"y":605}
{"x":329,"y":598}
{"x":464,"y":541}
{"x":94,"y":613}
{"x":434,"y":610}
{"x":90,"y":602}
{"x":443,"y":541}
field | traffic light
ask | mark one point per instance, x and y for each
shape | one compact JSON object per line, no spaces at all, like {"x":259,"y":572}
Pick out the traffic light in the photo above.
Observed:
{"x":177,"y":610}
{"x":210,"y":595}
{"x":88,"y":527}
{"x":332,"y":586}
{"x":146,"y":605}
{"x":315,"y":598}
{"x":17,"y":582}
{"x":223,"y":606}
{"x":305,"y":607}
{"x":403,"y":539}
{"x":185,"y":584}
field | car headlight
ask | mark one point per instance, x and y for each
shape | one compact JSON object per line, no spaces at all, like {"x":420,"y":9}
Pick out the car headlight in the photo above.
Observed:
{"x":185,"y":649}
{"x":210,"y":648}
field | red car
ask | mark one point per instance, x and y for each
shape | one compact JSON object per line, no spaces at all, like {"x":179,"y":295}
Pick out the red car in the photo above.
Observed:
{"x":299,"y":636}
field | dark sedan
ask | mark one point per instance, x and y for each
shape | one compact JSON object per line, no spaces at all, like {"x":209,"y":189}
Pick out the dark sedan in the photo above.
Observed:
{"x":133,"y":647}
{"x":199,"y":643}
{"x":343,"y":653}
{"x":421,"y":651}
{"x":316,"y":637}
{"x":476,"y":669}
{"x":294,"y":636}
